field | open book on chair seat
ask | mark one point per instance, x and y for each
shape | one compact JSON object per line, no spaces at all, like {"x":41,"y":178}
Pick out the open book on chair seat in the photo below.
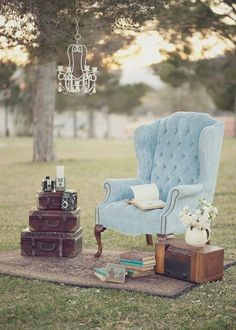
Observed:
{"x":146,"y":197}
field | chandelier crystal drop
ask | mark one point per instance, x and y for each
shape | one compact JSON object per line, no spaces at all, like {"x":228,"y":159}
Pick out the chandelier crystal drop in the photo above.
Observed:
{"x":85,"y":82}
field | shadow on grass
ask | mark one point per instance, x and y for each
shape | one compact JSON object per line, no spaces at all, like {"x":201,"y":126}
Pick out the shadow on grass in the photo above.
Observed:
{"x":225,"y":193}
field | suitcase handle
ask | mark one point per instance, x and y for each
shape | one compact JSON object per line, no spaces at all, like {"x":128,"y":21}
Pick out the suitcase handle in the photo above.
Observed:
{"x":53,"y":224}
{"x":47,"y":246}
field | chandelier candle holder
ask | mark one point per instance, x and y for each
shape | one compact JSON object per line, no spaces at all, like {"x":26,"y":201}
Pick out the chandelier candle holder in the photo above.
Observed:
{"x":85,"y":83}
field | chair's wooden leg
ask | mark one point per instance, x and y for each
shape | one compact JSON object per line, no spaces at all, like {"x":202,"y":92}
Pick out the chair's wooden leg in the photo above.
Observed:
{"x":149,"y":239}
{"x":98,"y":229}
{"x":208,"y":237}
{"x":164,"y":237}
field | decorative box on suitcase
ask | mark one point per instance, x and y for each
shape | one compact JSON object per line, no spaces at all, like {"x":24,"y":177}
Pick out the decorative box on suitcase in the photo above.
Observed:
{"x":53,"y":200}
{"x":51,"y":244}
{"x":56,"y":221}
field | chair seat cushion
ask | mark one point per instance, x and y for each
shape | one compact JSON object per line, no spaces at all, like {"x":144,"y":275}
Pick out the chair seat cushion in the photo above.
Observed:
{"x":129,"y":219}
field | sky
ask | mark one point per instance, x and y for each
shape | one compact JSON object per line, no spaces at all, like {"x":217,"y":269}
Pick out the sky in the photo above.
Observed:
{"x":137,"y":58}
{"x":143,"y":75}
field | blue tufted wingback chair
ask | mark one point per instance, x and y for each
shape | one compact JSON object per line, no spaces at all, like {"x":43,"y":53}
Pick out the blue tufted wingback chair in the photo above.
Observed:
{"x":181,"y":154}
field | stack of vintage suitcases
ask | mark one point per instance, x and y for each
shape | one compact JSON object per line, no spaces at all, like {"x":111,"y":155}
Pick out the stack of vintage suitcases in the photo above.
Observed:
{"x":54,"y":227}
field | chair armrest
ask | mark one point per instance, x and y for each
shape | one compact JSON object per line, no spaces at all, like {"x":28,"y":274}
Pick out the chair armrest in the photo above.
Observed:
{"x":178,"y":197}
{"x":118,"y":189}
{"x":179,"y":192}
{"x":188,"y":190}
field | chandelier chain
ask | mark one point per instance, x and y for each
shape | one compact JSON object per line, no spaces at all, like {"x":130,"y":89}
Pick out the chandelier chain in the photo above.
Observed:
{"x":77,"y":34}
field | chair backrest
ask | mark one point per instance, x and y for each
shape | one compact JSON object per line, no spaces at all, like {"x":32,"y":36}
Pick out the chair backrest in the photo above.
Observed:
{"x":180,"y":149}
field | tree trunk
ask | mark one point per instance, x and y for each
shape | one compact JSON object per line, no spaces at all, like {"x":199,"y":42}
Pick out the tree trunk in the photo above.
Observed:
{"x":7,"y":132}
{"x":91,"y":118}
{"x":44,"y":105}
{"x":75,"y":124}
{"x":107,"y":120}
{"x":235,"y":112}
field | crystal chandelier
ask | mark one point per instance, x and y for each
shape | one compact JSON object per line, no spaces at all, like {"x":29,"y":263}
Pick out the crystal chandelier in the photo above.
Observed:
{"x":83,"y":83}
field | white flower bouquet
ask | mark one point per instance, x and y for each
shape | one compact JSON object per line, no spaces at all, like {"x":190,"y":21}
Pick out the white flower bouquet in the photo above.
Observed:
{"x":202,"y":219}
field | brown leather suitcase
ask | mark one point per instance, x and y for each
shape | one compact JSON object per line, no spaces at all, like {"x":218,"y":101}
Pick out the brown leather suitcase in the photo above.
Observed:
{"x":57,"y":221}
{"x":51,"y":244}
{"x":53,"y":200}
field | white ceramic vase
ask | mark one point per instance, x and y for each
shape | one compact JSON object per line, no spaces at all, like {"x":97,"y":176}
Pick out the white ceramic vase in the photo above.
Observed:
{"x":196,"y":237}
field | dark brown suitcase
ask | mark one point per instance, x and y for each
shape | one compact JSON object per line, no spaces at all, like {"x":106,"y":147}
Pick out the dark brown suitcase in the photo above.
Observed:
{"x":53,"y":200}
{"x":51,"y":244}
{"x":57,"y":221}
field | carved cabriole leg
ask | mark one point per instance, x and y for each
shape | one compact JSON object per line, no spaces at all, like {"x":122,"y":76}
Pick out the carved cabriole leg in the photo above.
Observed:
{"x":98,"y":229}
{"x":208,"y":237}
{"x":149,"y":239}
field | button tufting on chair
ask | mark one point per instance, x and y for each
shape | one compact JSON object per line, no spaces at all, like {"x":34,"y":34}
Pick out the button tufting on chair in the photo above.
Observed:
{"x":179,"y":144}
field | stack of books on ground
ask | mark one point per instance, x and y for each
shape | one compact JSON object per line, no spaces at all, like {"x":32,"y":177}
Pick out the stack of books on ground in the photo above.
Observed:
{"x":111,"y":273}
{"x":138,"y":263}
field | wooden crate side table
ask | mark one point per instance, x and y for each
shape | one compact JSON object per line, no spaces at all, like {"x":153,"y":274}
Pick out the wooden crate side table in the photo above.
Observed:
{"x":177,"y":259}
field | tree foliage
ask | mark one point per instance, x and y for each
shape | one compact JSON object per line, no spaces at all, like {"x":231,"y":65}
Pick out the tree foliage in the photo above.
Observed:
{"x":45,"y":27}
{"x":182,"y":19}
{"x":10,"y":90}
{"x":218,"y":75}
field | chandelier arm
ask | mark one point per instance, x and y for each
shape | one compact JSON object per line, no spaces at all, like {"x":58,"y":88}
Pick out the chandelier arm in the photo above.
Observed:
{"x":70,"y":55}
{"x":83,"y":57}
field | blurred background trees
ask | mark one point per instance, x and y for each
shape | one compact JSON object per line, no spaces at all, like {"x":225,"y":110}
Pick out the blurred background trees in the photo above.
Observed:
{"x":196,"y":53}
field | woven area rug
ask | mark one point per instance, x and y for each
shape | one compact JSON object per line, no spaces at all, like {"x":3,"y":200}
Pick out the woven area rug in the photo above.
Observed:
{"x":79,"y":271}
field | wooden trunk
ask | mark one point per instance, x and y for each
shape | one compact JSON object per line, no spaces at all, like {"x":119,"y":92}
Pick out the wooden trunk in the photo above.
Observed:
{"x":51,"y":200}
{"x":175,"y":258}
{"x":56,"y":221}
{"x":51,"y":244}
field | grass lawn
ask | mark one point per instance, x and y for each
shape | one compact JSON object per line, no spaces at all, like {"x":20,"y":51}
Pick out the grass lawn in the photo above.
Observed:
{"x":28,"y":304}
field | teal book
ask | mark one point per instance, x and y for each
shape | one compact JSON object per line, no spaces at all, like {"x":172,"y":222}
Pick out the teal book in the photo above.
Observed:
{"x":102,"y":271}
{"x":137,"y":263}
{"x":131,"y":262}
{"x":137,"y":273}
